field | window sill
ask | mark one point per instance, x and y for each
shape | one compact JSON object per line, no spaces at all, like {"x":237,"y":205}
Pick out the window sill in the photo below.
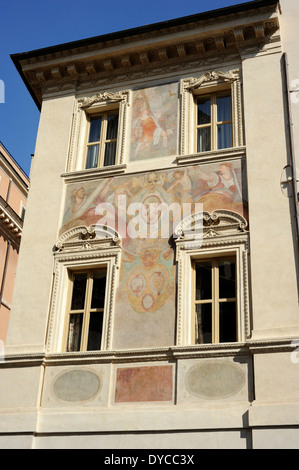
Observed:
{"x":212,"y":156}
{"x":150,"y":354}
{"x":91,"y":174}
{"x":14,"y":355}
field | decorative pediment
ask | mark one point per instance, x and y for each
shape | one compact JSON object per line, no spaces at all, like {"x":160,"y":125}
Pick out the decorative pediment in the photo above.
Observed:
{"x":207,"y":78}
{"x":10,"y":224}
{"x":87,"y":238}
{"x":106,"y":97}
{"x":219,"y":223}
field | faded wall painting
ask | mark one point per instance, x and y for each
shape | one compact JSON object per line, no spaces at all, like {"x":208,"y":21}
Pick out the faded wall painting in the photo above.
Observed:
{"x":154,"y":122}
{"x":146,"y":296}
{"x":140,"y":384}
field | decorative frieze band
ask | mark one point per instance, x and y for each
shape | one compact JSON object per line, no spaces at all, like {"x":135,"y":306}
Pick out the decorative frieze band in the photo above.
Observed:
{"x":230,"y":39}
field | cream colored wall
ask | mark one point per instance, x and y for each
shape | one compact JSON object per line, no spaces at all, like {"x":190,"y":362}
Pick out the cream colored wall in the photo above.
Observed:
{"x":272,"y":257}
{"x":33,"y":281}
{"x":226,"y":423}
{"x":290,"y":44}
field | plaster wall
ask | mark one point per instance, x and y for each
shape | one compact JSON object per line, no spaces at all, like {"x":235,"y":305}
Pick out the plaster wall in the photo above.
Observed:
{"x":273,"y":268}
{"x":15,"y":199}
{"x":290,"y":44}
{"x":33,"y":280}
{"x":214,"y":397}
{"x":4,"y":183}
{"x":194,"y":440}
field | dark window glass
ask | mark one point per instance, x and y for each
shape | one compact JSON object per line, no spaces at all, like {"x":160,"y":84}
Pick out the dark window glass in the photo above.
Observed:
{"x":110,"y":153}
{"x":92,"y":156}
{"x":112,"y":126}
{"x":203,"y":323}
{"x":79,"y":289}
{"x":227,"y":279}
{"x":75,"y":332}
{"x":204,"y":280}
{"x":95,"y":331}
{"x":95,"y":129}
{"x":98,"y":291}
{"x":204,"y":139}
{"x":224,"y":111}
{"x":224,"y":136}
{"x":203,"y":111}
{"x":227,"y":322}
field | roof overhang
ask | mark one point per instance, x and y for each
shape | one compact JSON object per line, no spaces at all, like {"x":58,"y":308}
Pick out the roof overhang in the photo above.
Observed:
{"x":149,"y":47}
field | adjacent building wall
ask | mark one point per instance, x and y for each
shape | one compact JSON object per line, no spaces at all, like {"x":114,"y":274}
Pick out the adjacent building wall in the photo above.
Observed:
{"x":13,"y":193}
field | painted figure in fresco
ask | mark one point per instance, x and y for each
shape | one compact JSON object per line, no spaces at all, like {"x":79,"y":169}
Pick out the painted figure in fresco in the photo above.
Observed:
{"x":148,"y":132}
{"x":154,"y":125}
{"x":83,"y":209}
{"x":147,"y":279}
{"x":183,"y":184}
{"x":222,"y":189}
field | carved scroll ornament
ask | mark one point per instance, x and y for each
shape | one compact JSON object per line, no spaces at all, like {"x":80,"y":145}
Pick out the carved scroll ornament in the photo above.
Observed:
{"x":102,"y":97}
{"x":195,"y":83}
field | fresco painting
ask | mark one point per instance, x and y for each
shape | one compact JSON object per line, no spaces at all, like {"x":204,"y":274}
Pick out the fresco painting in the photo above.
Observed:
{"x":154,"y":122}
{"x":140,"y":384}
{"x":147,"y":276}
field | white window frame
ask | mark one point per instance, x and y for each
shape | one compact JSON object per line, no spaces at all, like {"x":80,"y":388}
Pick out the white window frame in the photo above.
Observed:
{"x":209,"y":83}
{"x":82,"y":248}
{"x":96,"y":105}
{"x":103,"y":141}
{"x":224,"y":235}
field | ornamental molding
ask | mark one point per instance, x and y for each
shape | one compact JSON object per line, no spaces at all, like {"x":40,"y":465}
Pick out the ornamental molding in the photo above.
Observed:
{"x":250,"y":347}
{"x":11,"y":225}
{"x":211,"y":80}
{"x":212,"y":156}
{"x":223,"y":232}
{"x":218,"y":223}
{"x":80,"y":247}
{"x":207,"y":78}
{"x":117,"y":59}
{"x":85,"y":238}
{"x":83,"y":106}
{"x":105,"y":97}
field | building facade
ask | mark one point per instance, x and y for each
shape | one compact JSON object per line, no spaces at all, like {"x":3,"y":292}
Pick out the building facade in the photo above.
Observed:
{"x":14,"y":185}
{"x":156,"y":297}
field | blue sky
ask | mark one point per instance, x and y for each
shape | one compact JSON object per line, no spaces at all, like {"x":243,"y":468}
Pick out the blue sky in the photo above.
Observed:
{"x":33,"y":24}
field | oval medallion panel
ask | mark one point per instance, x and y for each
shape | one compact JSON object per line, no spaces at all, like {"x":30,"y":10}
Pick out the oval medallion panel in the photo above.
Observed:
{"x":76,"y":386}
{"x":213,"y":380}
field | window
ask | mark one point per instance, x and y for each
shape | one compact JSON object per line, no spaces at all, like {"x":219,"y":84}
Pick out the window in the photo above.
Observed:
{"x":213,"y":297}
{"x":86,"y":272}
{"x":23,"y":210}
{"x":215,"y":302}
{"x":102,"y":141}
{"x":214,"y":121}
{"x":86,"y":310}
{"x":211,"y":114}
{"x":100,"y":133}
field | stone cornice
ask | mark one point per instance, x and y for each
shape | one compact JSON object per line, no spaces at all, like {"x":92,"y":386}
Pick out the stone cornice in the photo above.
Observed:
{"x":171,"y":353}
{"x":13,"y":171}
{"x":10,"y":223}
{"x":73,"y":67}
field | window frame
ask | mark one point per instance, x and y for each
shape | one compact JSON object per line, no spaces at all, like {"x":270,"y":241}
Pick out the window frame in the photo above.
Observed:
{"x":215,"y":297}
{"x":213,"y":125}
{"x":207,"y":84}
{"x":81,"y":249}
{"x":224,"y":236}
{"x":86,"y":107}
{"x":103,"y":137}
{"x":86,"y":310}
